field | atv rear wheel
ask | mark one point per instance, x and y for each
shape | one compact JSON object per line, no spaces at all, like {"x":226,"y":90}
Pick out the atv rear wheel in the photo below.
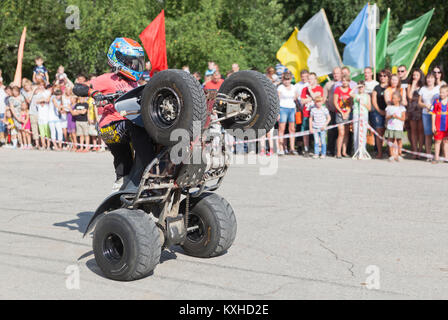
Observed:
{"x":262,"y":103}
{"x":173,"y":99}
{"x":215,"y":224}
{"x":126,"y":244}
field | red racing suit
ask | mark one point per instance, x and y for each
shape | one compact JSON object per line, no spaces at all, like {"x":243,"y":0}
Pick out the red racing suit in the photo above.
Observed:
{"x":121,"y":135}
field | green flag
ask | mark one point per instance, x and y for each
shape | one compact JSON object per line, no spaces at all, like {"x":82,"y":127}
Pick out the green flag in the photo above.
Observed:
{"x":381,"y":43}
{"x":404,"y":47}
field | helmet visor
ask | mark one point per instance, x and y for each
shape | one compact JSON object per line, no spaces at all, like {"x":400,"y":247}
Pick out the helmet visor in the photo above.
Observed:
{"x":132,"y":62}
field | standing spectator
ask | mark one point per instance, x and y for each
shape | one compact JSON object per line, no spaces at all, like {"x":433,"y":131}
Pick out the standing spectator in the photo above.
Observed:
{"x":346,"y":72}
{"x":280,"y":70}
{"x":304,"y":81}
{"x":54,"y":119}
{"x":319,"y":120}
{"x":2,"y":115}
{"x":427,"y":95}
{"x":439,"y":76}
{"x":26,"y":127}
{"x":369,"y":82}
{"x":68,"y":102}
{"x":379,"y":112}
{"x":414,"y":113}
{"x":215,"y":83}
{"x":186,"y":68}
{"x":27,"y":91}
{"x":11,"y":129}
{"x":16,"y":101}
{"x":270,"y":73}
{"x":60,"y":74}
{"x":342,"y":102}
{"x":287,"y":94}
{"x":43,"y":101}
{"x":79,"y":113}
{"x":395,"y":117}
{"x":395,"y":85}
{"x":307,"y":97}
{"x":146,"y":73}
{"x":235,"y":67}
{"x":92,"y":118}
{"x":329,"y":89}
{"x":197,"y":75}
{"x":40,"y":71}
{"x":440,"y":123}
{"x":402,"y":73}
{"x":361,"y":109}
{"x":38,"y":94}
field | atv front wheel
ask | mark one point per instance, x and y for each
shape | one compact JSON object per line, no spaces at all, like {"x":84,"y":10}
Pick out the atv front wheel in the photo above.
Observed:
{"x":126,"y":245}
{"x":215,"y":226}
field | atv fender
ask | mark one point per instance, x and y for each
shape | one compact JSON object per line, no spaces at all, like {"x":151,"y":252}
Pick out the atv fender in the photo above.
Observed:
{"x":110,"y":203}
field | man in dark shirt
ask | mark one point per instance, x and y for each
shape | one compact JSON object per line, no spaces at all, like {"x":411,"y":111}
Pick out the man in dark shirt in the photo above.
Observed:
{"x":82,"y":126}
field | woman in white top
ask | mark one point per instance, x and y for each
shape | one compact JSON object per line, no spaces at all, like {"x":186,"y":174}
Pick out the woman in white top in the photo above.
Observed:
{"x":288,"y":95}
{"x":54,"y":119}
{"x":427,"y":95}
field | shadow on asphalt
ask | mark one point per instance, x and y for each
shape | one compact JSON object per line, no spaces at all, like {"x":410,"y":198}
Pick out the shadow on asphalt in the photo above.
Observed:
{"x":79,"y":224}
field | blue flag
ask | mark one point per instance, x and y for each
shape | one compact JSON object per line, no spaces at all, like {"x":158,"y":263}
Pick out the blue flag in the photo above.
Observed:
{"x":356,"y":38}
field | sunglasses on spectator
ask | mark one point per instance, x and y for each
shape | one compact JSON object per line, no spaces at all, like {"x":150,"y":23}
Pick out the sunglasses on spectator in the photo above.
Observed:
{"x":401,"y":71}
{"x":437,"y":71}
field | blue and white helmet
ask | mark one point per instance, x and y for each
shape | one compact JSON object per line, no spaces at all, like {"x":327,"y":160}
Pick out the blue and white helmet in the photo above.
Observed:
{"x":127,"y":57}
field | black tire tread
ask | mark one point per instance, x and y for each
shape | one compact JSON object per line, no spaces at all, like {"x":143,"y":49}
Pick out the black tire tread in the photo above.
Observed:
{"x":226,"y":219}
{"x":147,"y":239}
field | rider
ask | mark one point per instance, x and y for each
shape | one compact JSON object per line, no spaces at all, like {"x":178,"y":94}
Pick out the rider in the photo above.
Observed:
{"x":127,"y":60}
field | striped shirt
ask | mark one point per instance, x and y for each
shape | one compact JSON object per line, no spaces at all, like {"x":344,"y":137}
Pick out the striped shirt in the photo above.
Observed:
{"x":319,"y":116}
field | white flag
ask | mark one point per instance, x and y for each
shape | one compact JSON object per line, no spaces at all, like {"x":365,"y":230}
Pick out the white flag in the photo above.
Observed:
{"x":317,"y":36}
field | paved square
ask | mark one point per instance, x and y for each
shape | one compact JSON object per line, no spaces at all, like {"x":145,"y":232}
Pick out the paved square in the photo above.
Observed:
{"x":317,"y":229}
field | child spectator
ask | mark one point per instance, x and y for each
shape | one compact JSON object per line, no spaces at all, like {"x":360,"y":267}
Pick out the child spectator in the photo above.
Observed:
{"x":54,"y":119}
{"x":79,"y":113}
{"x":361,"y":109}
{"x":92,"y":117}
{"x":26,"y":127}
{"x":311,"y":90}
{"x":395,"y":117}
{"x":15,"y":103}
{"x":440,"y":123}
{"x":40,"y":71}
{"x":10,"y":126}
{"x":319,"y":120}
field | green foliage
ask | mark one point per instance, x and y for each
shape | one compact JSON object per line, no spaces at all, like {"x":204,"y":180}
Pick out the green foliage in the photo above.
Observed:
{"x":248,"y":32}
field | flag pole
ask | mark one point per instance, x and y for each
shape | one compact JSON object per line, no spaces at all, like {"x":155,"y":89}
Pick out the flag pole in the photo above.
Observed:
{"x":332,"y":36}
{"x":416,"y":55}
{"x":18,"y":75}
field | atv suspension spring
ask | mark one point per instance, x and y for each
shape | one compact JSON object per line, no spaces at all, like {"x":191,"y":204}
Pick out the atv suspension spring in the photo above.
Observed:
{"x":187,"y":208}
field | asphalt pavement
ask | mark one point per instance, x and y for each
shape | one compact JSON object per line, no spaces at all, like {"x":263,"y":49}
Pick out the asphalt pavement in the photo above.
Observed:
{"x":307,"y":229}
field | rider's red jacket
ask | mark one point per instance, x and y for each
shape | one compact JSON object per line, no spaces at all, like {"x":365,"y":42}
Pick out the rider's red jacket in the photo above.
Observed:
{"x":106,"y":84}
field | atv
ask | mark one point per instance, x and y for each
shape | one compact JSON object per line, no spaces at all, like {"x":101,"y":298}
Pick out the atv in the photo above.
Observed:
{"x":174,"y":203}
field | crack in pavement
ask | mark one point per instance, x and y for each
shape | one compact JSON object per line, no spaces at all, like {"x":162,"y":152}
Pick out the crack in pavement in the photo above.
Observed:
{"x":322,"y":244}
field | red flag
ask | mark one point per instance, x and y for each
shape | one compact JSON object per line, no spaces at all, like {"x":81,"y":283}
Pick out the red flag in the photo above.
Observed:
{"x":153,"y":39}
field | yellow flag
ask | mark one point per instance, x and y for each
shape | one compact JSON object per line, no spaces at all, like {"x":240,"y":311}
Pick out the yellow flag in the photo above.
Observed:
{"x":433,"y":54}
{"x":294,"y":55}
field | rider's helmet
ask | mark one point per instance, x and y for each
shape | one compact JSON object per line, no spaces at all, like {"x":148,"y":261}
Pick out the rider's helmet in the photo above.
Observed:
{"x":126,"y":56}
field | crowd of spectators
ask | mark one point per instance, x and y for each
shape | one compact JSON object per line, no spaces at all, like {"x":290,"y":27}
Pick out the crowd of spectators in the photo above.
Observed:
{"x":398,"y":107}
{"x":47,"y":116}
